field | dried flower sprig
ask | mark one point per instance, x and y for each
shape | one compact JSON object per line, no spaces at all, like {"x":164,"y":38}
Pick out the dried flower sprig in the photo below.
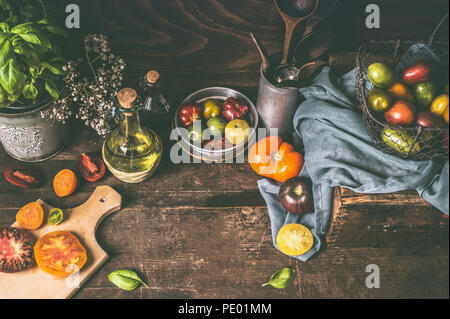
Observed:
{"x":91,"y":97}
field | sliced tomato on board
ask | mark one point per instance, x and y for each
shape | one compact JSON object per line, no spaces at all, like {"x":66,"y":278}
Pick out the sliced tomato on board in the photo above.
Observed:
{"x":60,"y":253}
{"x":31,"y":216}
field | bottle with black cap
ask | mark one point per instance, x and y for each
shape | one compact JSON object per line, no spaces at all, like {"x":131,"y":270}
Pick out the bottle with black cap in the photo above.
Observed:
{"x":132,"y":152}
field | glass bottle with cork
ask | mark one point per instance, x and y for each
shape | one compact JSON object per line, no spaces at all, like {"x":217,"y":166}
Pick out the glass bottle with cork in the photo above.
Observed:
{"x":132,"y":152}
{"x":157,"y":106}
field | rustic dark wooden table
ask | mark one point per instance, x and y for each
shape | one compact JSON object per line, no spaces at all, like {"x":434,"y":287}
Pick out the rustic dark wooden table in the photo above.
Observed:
{"x":202,"y":231}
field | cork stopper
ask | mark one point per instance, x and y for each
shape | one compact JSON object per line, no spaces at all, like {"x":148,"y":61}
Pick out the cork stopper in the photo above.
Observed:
{"x":127,"y":98}
{"x":152,"y":77}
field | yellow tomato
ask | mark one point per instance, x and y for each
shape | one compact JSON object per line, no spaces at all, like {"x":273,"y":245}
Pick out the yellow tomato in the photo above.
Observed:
{"x":439,"y":105}
{"x":295,"y":239}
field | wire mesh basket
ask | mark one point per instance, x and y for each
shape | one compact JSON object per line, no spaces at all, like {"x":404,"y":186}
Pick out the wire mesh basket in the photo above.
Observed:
{"x":416,"y":143}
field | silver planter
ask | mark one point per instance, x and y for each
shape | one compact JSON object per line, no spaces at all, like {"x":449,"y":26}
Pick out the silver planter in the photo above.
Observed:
{"x":28,"y":137}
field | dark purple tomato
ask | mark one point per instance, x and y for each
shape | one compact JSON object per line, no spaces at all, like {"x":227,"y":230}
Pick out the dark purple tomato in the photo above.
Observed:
{"x":296,"y":196}
{"x":428,"y":119}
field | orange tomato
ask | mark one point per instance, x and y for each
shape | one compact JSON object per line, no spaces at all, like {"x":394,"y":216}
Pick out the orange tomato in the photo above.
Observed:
{"x":31,"y":216}
{"x":273,"y":158}
{"x":400,"y":91}
{"x":60,"y":253}
{"x":65,"y":183}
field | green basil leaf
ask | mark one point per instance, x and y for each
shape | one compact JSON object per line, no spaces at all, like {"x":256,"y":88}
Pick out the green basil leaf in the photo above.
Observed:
{"x":56,"y":30}
{"x":24,"y":28}
{"x":44,"y":21}
{"x":12,"y":78}
{"x":126,"y":279}
{"x":4,"y":102}
{"x":4,"y":27}
{"x":5,"y":50}
{"x":36,"y":38}
{"x":52,"y":89}
{"x":54,"y":68}
{"x":282,"y":278}
{"x":30,"y":93}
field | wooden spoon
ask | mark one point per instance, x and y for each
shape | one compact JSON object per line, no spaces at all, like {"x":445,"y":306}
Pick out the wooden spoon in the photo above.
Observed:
{"x":293,"y":12}
{"x":262,"y":52}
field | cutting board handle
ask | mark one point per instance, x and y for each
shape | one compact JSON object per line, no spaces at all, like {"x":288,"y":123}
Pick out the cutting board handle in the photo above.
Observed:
{"x":103,"y":201}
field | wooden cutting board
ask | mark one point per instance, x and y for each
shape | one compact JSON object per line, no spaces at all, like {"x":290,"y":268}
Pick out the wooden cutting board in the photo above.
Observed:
{"x":82,"y":221}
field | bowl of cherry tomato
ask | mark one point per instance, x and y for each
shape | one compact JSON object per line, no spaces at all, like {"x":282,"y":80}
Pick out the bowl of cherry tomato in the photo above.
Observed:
{"x":215,"y":124}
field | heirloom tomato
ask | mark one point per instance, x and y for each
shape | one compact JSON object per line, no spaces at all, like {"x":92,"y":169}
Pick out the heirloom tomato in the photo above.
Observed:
{"x":190,"y":113}
{"x":234,"y":109}
{"x":60,"y":253}
{"x":425,"y":93}
{"x":275,"y":159}
{"x":211,"y":109}
{"x":31,"y":216}
{"x":237,"y":131}
{"x":295,"y":239}
{"x":400,"y":141}
{"x":22,"y":177}
{"x":381,"y":75}
{"x":439,"y":105}
{"x":416,"y":73}
{"x":401,"y":114}
{"x":379,"y":100}
{"x":91,"y":167}
{"x":65,"y":183}
{"x":400,"y":91}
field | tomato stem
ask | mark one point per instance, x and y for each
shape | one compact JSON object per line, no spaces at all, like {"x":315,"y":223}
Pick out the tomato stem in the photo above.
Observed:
{"x":298,"y":190}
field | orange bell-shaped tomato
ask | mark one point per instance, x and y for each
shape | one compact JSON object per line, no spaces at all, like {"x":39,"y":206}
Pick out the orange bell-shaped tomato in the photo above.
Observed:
{"x":275,"y":159}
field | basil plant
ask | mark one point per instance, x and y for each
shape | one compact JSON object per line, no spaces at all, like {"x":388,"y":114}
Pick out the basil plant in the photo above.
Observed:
{"x":31,"y":63}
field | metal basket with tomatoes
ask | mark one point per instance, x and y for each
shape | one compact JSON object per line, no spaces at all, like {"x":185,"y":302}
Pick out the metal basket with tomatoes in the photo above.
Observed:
{"x":402,"y":87}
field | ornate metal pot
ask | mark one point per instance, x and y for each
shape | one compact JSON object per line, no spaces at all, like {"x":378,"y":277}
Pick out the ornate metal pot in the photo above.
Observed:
{"x":28,"y":137}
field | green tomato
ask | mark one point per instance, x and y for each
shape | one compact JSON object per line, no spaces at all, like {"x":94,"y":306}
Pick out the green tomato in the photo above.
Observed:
{"x":55,"y":217}
{"x":400,"y":141}
{"x":381,"y":75}
{"x":379,"y":100}
{"x":216,"y":126}
{"x":425,"y":93}
{"x":196,"y":134}
{"x":211,"y":109}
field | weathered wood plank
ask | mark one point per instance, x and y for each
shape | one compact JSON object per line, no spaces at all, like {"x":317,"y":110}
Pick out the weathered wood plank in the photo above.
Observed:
{"x":201,"y":43}
{"x":386,"y":220}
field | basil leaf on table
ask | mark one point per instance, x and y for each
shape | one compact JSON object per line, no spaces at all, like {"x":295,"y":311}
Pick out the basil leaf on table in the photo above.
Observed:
{"x":282,"y":278}
{"x":126,"y":279}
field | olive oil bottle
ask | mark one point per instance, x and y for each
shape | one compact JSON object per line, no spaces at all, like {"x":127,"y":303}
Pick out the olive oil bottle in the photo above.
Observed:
{"x":132,"y":152}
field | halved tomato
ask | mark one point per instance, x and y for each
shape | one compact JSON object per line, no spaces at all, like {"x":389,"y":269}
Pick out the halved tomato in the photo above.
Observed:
{"x":60,"y":253}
